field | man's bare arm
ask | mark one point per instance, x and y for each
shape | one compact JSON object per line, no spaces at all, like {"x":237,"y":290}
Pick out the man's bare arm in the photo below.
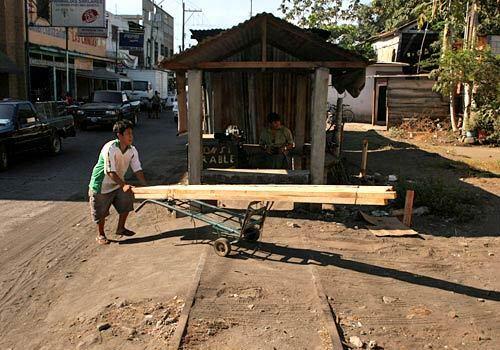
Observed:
{"x":118,"y":180}
{"x":140,"y":176}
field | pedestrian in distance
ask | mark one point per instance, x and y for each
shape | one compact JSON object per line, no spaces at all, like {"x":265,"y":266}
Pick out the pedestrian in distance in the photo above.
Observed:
{"x":149,"y":107}
{"x":156,"y":101}
{"x":107,"y":184}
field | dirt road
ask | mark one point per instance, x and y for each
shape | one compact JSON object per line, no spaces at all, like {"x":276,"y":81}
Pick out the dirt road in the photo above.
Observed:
{"x":59,"y":290}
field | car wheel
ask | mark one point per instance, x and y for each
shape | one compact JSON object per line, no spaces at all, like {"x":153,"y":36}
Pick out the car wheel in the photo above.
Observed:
{"x":4,"y":158}
{"x":55,"y":144}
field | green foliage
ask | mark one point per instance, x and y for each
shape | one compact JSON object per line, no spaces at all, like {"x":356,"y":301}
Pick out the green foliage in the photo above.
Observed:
{"x":479,"y":68}
{"x":442,"y":198}
{"x":487,"y":118}
{"x":461,"y":66}
{"x":351,"y":24}
{"x":347,"y":36}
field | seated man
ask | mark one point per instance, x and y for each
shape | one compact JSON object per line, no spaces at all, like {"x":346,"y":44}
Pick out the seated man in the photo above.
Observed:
{"x":276,"y":141}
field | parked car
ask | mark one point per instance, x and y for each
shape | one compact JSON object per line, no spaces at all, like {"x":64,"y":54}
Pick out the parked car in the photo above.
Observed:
{"x":169,"y":101}
{"x":106,"y":108}
{"x":23,"y":129}
{"x":142,"y":91}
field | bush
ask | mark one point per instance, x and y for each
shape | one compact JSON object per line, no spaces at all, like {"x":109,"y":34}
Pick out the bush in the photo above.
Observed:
{"x":445,"y":200}
{"x":487,"y":119}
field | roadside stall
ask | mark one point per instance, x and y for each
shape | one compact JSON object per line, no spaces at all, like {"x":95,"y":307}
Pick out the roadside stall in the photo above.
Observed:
{"x":237,"y":77}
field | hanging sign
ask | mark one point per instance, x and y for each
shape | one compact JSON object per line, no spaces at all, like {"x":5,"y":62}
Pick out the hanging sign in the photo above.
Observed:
{"x":132,"y":41}
{"x":78,"y":13}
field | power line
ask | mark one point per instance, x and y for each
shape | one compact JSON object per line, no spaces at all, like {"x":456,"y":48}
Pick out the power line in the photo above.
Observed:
{"x":184,"y":10}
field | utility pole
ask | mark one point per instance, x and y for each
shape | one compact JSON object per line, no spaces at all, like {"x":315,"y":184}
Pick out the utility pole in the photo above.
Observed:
{"x":183,"y":24}
{"x":27,"y":50}
{"x":67,"y":59}
{"x":184,"y":20}
{"x":117,"y":48}
{"x":251,"y":8}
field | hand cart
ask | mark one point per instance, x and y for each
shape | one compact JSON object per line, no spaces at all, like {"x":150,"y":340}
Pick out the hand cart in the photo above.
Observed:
{"x":230,"y":227}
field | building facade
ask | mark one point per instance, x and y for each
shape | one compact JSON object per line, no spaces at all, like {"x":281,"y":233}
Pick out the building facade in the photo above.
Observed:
{"x":407,"y":44}
{"x":94,"y":61}
{"x":12,"y":52}
{"x":158,"y":34}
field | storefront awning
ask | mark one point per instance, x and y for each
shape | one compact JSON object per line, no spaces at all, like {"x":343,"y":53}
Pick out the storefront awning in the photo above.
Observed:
{"x":7,"y":66}
{"x":98,"y":73}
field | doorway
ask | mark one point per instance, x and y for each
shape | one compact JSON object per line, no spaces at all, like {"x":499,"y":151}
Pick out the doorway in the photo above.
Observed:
{"x":382,"y":104}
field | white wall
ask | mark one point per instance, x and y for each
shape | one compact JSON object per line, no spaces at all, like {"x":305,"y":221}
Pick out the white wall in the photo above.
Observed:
{"x":122,"y":25}
{"x":386,"y":49}
{"x":362,"y":105}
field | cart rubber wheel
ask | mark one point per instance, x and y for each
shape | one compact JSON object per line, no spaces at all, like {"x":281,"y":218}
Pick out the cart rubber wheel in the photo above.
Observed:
{"x":251,"y":234}
{"x":222,"y":247}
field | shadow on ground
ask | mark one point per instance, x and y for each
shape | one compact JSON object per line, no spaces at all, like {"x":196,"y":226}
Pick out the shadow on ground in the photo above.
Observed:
{"x":414,"y":165}
{"x":264,"y":251}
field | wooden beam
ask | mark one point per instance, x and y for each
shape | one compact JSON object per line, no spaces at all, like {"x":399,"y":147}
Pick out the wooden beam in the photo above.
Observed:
{"x":264,"y":40}
{"x":363,"y":195}
{"x":408,"y":213}
{"x":194,"y":130}
{"x":267,"y":64}
{"x":181,"y":101}
{"x":364,"y":159}
{"x":318,"y":132}
{"x":300,"y":118}
{"x":339,"y":125}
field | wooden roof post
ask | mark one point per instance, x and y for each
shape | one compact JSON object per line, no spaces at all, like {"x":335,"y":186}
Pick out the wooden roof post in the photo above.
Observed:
{"x":195,"y":162}
{"x":318,"y":120}
{"x":180,"y":77}
{"x":300,"y":118}
{"x":264,"y":39}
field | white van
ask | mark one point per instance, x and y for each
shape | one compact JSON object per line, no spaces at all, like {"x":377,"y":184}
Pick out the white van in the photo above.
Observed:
{"x":170,"y":100}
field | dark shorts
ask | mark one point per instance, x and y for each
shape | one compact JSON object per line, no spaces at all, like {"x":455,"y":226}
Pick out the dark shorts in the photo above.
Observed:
{"x":101,"y":202}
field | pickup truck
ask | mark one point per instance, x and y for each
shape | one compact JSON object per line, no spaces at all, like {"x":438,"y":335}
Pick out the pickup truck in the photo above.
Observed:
{"x":23,"y":130}
{"x":106,"y":108}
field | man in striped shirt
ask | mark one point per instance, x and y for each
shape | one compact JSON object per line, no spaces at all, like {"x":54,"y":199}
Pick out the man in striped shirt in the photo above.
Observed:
{"x":107,"y":185}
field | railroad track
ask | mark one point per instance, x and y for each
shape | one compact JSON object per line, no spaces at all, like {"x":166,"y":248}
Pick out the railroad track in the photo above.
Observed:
{"x":258,"y":290}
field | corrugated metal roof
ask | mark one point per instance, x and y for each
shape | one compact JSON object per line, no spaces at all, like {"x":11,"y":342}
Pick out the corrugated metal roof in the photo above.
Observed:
{"x":299,"y":42}
{"x":202,"y":34}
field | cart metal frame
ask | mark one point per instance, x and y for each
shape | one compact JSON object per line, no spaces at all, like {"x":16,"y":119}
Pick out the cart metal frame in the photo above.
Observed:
{"x":229,"y":226}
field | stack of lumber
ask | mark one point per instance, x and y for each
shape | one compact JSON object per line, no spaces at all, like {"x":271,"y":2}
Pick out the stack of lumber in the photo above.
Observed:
{"x":328,"y":194}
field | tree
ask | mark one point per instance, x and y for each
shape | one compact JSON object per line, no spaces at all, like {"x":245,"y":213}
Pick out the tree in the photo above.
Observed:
{"x":351,"y":24}
{"x":460,"y":67}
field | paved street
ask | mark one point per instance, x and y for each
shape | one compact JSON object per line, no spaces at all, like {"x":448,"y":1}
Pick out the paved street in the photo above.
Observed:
{"x":66,"y":176}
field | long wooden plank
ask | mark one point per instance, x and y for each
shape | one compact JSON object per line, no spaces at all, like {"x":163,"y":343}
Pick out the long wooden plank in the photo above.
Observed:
{"x":363,"y":195}
{"x":387,"y":226}
{"x":384,"y":191}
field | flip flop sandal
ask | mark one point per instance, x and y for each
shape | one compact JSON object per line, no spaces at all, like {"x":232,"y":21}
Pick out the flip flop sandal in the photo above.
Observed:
{"x":126,"y":233}
{"x":102,"y":240}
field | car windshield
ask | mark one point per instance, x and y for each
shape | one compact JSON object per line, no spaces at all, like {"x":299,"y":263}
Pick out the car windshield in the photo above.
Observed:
{"x":141,"y":85}
{"x":126,"y":85}
{"x":6,"y":114}
{"x":108,"y":96}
